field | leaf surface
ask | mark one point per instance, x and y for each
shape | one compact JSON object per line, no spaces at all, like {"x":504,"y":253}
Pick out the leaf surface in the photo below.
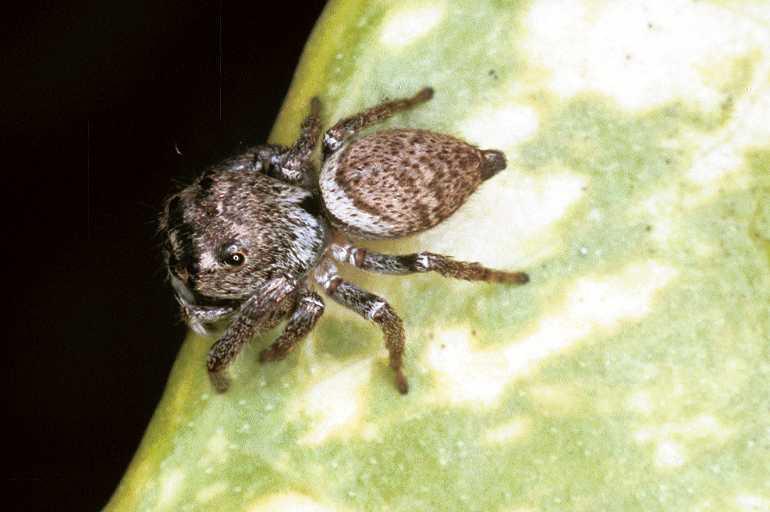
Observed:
{"x":631,"y":373}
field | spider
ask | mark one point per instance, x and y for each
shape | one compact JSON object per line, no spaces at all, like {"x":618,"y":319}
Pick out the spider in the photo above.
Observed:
{"x":248,"y":237}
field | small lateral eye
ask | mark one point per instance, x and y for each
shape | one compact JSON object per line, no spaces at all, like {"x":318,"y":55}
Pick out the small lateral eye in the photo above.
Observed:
{"x":233,"y":256}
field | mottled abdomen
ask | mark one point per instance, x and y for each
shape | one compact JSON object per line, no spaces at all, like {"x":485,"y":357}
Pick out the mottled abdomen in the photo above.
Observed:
{"x":394,"y":183}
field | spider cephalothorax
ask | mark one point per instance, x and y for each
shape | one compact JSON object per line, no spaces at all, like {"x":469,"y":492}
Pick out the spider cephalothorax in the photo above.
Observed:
{"x":249,"y":237}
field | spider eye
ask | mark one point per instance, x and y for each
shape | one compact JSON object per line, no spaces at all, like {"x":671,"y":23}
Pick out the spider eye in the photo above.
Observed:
{"x":233,"y":256}
{"x":235,"y":259}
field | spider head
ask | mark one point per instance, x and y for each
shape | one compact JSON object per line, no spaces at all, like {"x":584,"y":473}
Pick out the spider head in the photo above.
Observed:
{"x":232,"y":231}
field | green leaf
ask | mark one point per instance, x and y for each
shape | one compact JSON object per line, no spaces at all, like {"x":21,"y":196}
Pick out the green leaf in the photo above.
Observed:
{"x":631,"y":373}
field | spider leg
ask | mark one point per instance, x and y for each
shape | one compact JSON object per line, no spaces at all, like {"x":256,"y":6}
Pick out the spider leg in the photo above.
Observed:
{"x":335,"y":136}
{"x":289,"y":164}
{"x":295,"y":167}
{"x":196,"y":317}
{"x":310,"y":307}
{"x":257,"y":312}
{"x":422,"y":262}
{"x":260,"y":158}
{"x":371,"y":307}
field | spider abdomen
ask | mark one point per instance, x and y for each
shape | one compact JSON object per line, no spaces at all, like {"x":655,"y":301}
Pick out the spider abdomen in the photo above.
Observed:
{"x":395,"y":183}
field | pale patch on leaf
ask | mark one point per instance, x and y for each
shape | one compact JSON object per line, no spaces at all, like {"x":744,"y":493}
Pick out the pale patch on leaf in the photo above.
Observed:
{"x":469,"y":376}
{"x":640,"y":402}
{"x":335,"y":403}
{"x":170,"y":485}
{"x":528,"y":207}
{"x":607,"y":301}
{"x":752,"y":503}
{"x":406,"y":25}
{"x":658,"y":209}
{"x":290,"y":501}
{"x":669,"y":454}
{"x":466,"y":375}
{"x":500,"y":127}
{"x":720,"y":164}
{"x":210,"y":492}
{"x":715,"y":165}
{"x":216,"y":449}
{"x":602,"y":303}
{"x":627,"y":49}
{"x":508,"y":432}
{"x":669,"y":439}
{"x":704,"y":426}
{"x":553,"y":399}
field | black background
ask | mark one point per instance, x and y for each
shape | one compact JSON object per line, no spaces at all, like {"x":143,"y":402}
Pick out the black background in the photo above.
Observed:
{"x":96,"y":99}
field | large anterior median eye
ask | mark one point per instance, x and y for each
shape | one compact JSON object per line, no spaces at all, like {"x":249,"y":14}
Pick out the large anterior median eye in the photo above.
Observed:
{"x":233,"y":255}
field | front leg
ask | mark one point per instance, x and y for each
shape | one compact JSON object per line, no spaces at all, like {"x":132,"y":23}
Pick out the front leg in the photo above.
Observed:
{"x":257,"y":311}
{"x":310,"y":307}
{"x":371,"y":307}
{"x":295,"y":166}
{"x":197,"y":317}
{"x":263,"y":158}
{"x":422,"y":262}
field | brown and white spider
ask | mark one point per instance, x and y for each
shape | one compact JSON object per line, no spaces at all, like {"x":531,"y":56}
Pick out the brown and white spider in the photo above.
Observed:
{"x":247,"y":238}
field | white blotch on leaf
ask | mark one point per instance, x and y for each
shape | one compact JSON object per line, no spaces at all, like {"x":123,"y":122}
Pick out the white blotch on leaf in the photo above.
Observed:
{"x":216,"y":449}
{"x":669,"y":454}
{"x":553,"y":399}
{"x":718,"y":165}
{"x":607,"y":301}
{"x":507,"y":432}
{"x":370,"y":432}
{"x":669,"y":439}
{"x":714,"y":165}
{"x":515,"y":214}
{"x":704,"y":426}
{"x":626,"y":49}
{"x":752,"y":503}
{"x":211,"y":491}
{"x":501,"y":127}
{"x":170,"y":485}
{"x":289,"y":501}
{"x":404,"y":26}
{"x":640,"y":402}
{"x":659,"y":209}
{"x":593,"y":303}
{"x":469,"y":376}
{"x":334,"y":404}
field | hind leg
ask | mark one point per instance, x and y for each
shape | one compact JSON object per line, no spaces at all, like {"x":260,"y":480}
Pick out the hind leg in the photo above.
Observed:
{"x":423,"y":262}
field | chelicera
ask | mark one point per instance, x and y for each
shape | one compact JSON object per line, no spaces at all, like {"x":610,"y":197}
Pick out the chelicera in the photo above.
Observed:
{"x":255,"y":235}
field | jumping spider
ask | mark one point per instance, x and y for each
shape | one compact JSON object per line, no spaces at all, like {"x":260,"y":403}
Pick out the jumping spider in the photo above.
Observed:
{"x":244,"y":239}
